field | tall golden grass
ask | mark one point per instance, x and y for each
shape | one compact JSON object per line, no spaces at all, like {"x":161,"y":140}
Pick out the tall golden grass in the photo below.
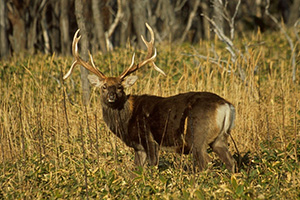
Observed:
{"x":43,"y":117}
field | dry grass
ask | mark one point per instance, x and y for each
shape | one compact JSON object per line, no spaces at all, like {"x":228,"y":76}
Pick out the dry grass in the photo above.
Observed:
{"x":53,"y":147}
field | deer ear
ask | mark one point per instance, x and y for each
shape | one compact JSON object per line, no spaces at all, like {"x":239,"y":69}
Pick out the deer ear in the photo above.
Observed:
{"x":95,"y":81}
{"x":129,"y":81}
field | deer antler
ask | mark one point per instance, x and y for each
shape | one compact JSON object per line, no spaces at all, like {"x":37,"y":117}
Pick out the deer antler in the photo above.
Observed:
{"x":149,"y":59}
{"x":78,"y":61}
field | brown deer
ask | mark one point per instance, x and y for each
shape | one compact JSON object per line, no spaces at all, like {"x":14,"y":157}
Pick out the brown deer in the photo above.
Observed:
{"x":184,"y":123}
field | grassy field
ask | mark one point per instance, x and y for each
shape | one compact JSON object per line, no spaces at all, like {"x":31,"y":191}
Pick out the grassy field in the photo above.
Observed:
{"x":52,"y":147}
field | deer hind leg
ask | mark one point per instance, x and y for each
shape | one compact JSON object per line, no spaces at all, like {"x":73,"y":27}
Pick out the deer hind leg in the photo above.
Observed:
{"x":196,"y":140}
{"x":201,"y":157}
{"x":220,"y":147}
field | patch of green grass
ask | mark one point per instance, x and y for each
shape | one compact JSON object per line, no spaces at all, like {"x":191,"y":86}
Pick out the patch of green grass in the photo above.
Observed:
{"x":51,"y":147}
{"x":270,"y":175}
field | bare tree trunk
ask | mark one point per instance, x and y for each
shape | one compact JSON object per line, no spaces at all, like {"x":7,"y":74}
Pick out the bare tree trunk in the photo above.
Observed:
{"x":125,"y":30}
{"x":54,"y":32}
{"x":218,"y":14}
{"x":99,"y":28}
{"x":294,"y":13}
{"x":64,"y":27}
{"x":190,"y":20}
{"x":18,"y":38}
{"x":258,"y":6}
{"x":31,"y":34}
{"x":139,"y":19}
{"x":45,"y":32}
{"x":205,"y":26}
{"x":84,"y":49}
{"x":166,"y":12}
{"x":3,"y":36}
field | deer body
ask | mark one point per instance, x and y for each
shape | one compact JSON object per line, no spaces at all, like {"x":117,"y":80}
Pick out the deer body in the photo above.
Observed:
{"x":184,"y":123}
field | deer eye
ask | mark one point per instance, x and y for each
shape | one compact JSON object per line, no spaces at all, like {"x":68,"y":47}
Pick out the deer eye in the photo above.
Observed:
{"x":104,"y":86}
{"x":120,"y":87}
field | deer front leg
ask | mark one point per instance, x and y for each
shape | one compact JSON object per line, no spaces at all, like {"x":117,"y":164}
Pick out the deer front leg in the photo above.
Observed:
{"x":201,"y":158}
{"x":152,"y":149}
{"x":152,"y":153}
{"x":140,"y":157}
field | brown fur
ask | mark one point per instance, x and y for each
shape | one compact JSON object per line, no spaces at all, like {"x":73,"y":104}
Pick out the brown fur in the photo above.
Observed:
{"x":148,"y":123}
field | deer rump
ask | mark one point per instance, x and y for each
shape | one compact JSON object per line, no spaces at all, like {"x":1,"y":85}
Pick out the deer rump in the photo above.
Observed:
{"x":184,"y":123}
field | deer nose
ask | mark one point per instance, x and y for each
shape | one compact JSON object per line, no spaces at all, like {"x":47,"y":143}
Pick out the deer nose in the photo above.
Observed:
{"x":111,"y":97}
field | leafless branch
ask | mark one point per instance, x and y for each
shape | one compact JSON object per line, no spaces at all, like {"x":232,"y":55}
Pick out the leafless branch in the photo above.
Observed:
{"x":113,"y":26}
{"x":230,"y":47}
{"x":45,"y":31}
{"x":179,"y":5}
{"x":233,"y":18}
{"x":289,"y":39}
{"x":212,"y":60}
{"x":117,"y":19}
{"x":42,"y":5}
{"x":296,"y":29}
{"x":56,"y":79}
{"x":223,"y":38}
{"x":190,"y":20}
{"x":152,"y":21}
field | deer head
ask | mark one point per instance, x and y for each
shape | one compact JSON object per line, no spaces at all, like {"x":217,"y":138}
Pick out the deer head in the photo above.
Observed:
{"x":112,"y":88}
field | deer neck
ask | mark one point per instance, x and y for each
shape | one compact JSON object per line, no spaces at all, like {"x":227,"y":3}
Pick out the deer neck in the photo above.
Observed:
{"x":117,"y":119}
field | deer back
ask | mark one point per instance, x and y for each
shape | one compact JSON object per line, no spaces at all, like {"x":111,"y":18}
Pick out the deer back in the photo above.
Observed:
{"x":166,"y":118}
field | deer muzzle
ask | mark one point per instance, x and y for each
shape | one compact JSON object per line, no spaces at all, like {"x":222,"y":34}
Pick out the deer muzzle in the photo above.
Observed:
{"x":111,"y":97}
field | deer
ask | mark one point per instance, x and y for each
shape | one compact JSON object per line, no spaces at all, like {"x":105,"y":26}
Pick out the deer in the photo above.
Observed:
{"x":185,"y":123}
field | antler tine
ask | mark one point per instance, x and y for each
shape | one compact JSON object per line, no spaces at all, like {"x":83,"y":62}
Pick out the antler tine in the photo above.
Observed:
{"x":149,"y":59}
{"x":155,"y":66}
{"x":79,"y":61}
{"x":74,"y":50}
{"x":132,"y":61}
{"x":149,"y":44}
{"x":92,"y":61}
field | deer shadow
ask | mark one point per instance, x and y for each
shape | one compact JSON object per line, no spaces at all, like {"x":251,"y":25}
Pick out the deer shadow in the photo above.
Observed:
{"x":243,"y":162}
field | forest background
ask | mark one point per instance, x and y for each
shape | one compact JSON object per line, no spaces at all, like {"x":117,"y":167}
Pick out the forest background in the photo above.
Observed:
{"x":54,"y":143}
{"x":48,"y":26}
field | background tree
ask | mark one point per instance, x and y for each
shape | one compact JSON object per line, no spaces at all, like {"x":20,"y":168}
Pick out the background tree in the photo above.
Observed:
{"x":16,"y":15}
{"x":64,"y":27}
{"x":218,"y":14}
{"x":79,"y":10}
{"x":294,"y":12}
{"x":3,"y":28}
{"x":48,"y":26}
{"x":138,"y":8}
{"x":99,"y":28}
